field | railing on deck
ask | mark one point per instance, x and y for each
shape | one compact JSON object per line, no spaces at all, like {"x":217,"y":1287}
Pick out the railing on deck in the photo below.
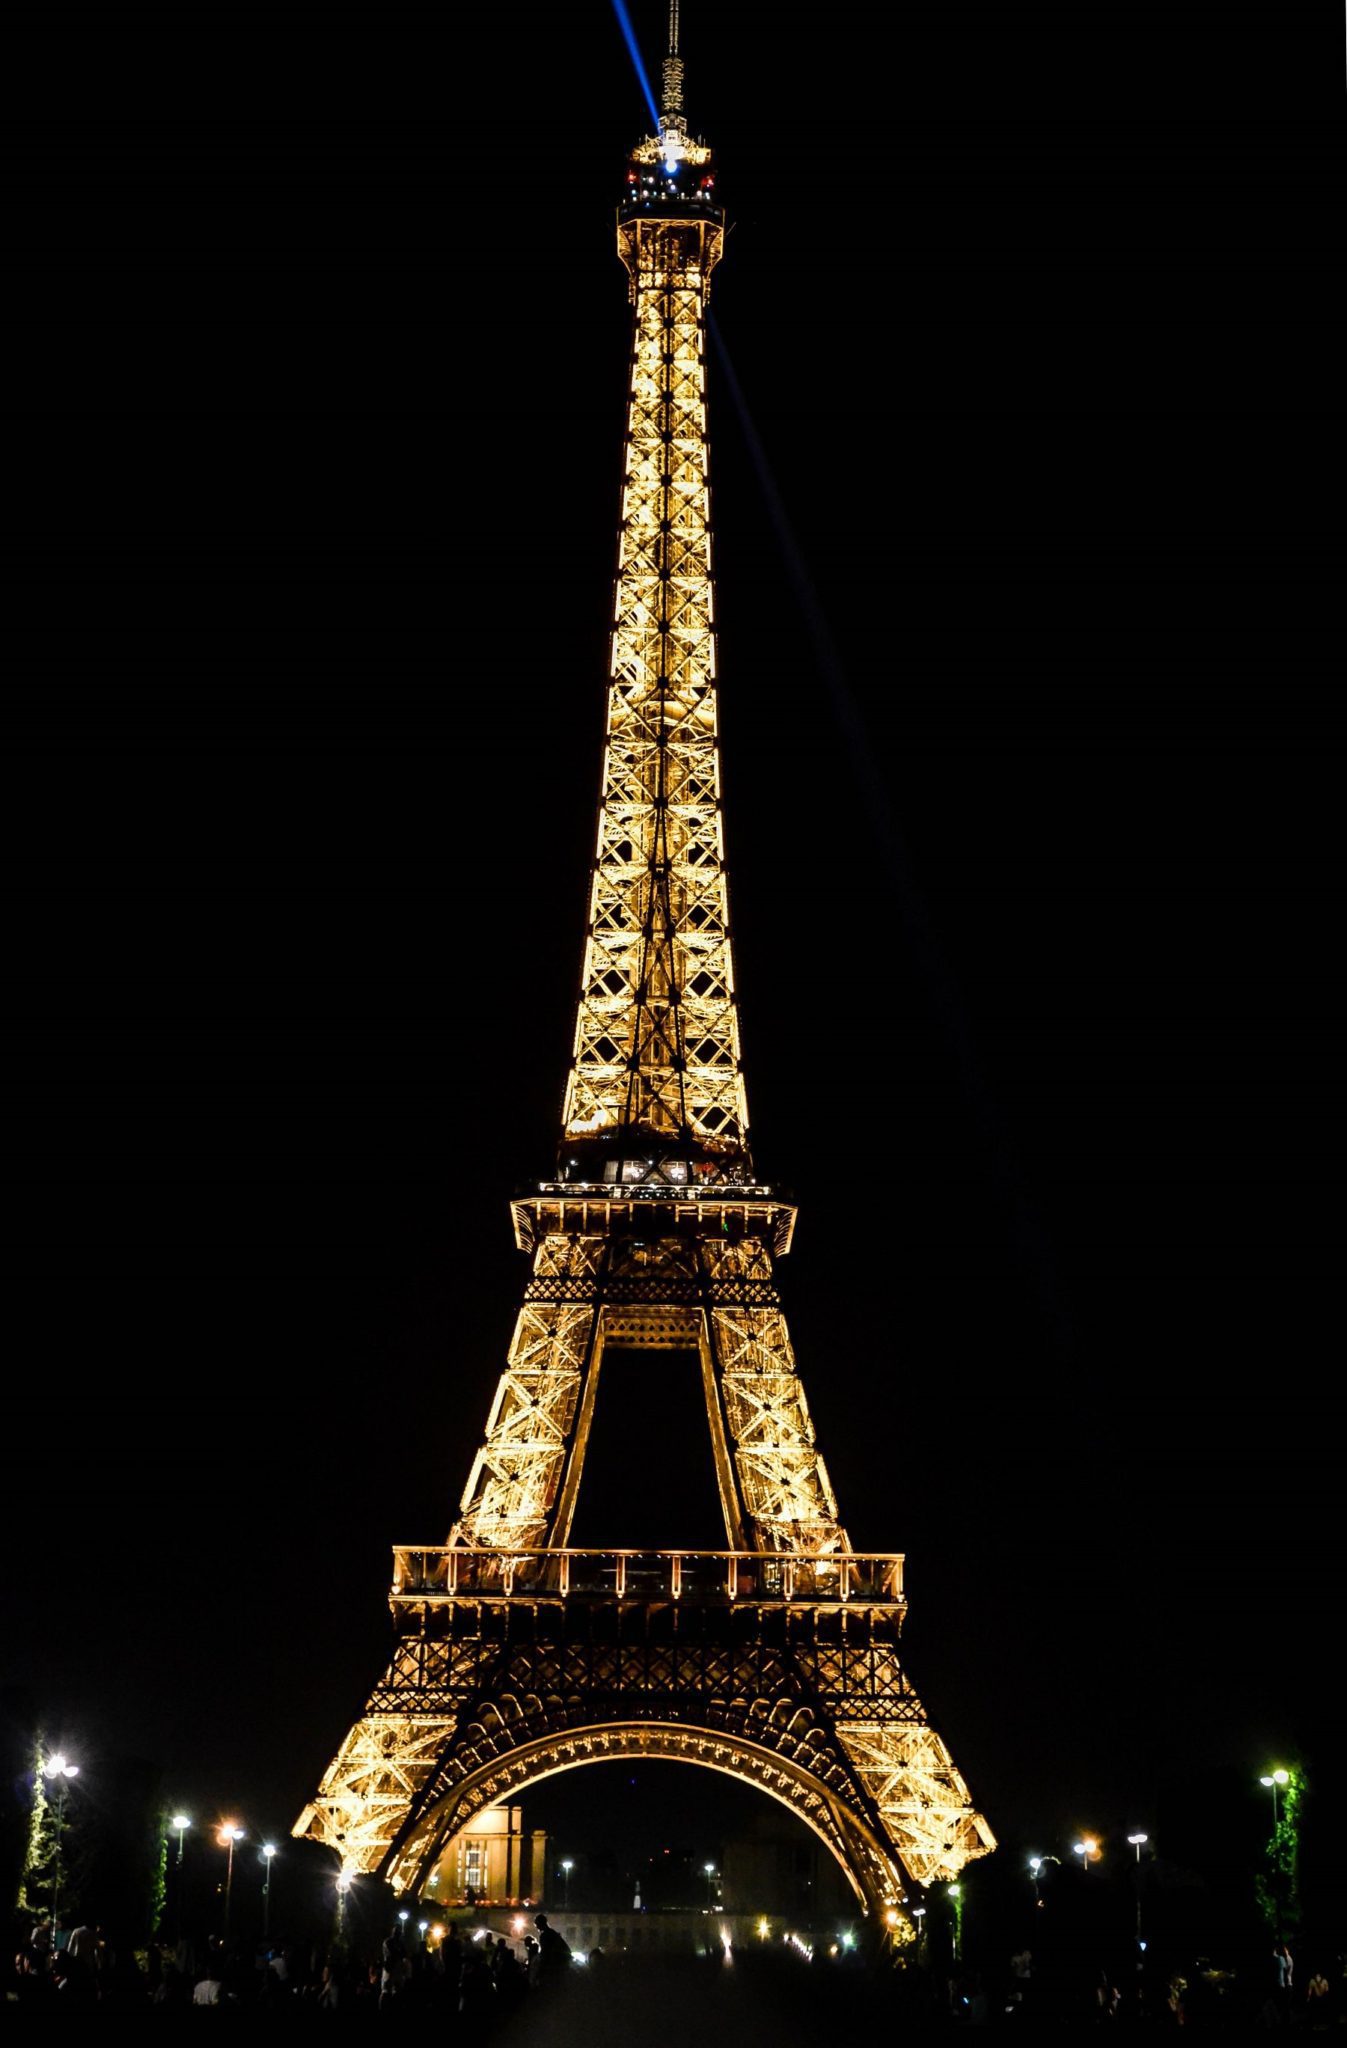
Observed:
{"x":451,"y":1572}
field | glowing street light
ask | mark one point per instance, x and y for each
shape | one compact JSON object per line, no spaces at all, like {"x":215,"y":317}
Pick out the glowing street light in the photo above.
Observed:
{"x":710,"y":1870}
{"x":228,"y":1835}
{"x":955,"y":1892}
{"x":567,"y":1866}
{"x":1087,"y":1850}
{"x":60,"y":1770}
{"x":919,"y":1914}
{"x":268,"y":1852}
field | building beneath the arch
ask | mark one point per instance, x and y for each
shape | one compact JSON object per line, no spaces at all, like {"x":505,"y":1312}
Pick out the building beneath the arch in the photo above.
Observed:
{"x":492,"y":1861}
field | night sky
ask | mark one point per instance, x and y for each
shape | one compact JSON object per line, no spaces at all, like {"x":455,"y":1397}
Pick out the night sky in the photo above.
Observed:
{"x":1022,"y":436}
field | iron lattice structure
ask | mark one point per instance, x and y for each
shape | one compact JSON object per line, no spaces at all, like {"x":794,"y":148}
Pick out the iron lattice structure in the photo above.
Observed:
{"x":777,"y":1659}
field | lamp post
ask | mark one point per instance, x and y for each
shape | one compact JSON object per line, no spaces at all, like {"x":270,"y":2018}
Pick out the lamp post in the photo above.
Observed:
{"x":228,"y":1835}
{"x":1087,"y":1849}
{"x":919,"y":1914}
{"x":1272,"y":1779}
{"x":710,"y":1870}
{"x":60,"y":1770}
{"x":955,"y":1892}
{"x":1037,"y":1865}
{"x":1136,"y":1841}
{"x":180,"y":1824}
{"x":268,"y":1851}
{"x":566,"y":1868}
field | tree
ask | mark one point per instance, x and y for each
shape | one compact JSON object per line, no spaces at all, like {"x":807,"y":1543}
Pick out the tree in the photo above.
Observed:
{"x":56,"y":1861}
{"x":18,"y":1738}
{"x":1277,"y":1886}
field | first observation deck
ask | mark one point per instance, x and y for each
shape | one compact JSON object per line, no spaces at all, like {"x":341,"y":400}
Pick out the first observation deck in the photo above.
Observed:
{"x":701,"y":1578}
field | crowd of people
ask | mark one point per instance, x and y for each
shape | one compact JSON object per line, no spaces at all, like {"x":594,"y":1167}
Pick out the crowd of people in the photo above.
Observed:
{"x":482,"y":1976}
{"x":481,"y":1979}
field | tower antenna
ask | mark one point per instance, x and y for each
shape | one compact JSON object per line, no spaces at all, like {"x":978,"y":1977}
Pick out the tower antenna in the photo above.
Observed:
{"x":671,"y":111}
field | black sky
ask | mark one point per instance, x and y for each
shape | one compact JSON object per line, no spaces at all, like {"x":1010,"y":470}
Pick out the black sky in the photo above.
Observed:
{"x":1029,"y":655}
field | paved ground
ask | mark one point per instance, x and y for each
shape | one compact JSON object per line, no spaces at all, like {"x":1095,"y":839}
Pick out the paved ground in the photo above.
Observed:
{"x":743,"y":2003}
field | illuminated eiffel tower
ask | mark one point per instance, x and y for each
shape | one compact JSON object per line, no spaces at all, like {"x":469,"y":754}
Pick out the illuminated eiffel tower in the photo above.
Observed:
{"x":776,"y":1659}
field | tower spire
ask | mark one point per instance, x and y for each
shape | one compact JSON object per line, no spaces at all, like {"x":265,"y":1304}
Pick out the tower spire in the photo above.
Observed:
{"x":673,"y":71}
{"x":672,"y":124}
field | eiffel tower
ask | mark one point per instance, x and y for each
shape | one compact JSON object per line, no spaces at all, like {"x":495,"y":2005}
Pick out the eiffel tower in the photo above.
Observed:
{"x":776,"y":1659}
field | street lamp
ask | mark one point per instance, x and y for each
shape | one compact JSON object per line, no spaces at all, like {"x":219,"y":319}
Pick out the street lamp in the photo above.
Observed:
{"x":228,"y":1835}
{"x":566,"y":1868}
{"x":710,"y":1870}
{"x":1037,"y":1865}
{"x":919,"y":1914}
{"x":268,"y":1851}
{"x":180,"y":1824}
{"x":1274,"y":1779}
{"x":1087,"y":1850}
{"x":1136,"y":1841}
{"x":60,"y":1770}
{"x":955,"y":1892}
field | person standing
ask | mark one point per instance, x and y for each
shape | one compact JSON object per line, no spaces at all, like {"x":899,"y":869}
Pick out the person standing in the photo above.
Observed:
{"x":553,"y":1960}
{"x":396,"y":1969}
{"x":1283,"y":1965}
{"x":1316,"y":2000}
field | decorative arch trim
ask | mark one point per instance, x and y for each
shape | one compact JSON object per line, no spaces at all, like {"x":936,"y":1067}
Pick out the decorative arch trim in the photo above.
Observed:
{"x":868,"y":1868}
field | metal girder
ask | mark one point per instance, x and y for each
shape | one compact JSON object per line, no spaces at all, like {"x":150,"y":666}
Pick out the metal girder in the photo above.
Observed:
{"x":813,"y":1692}
{"x":716,"y":1297}
{"x":657,"y":1035}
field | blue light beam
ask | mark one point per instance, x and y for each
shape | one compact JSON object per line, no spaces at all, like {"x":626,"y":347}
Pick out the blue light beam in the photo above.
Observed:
{"x":624,"y":23}
{"x":946,"y":1004}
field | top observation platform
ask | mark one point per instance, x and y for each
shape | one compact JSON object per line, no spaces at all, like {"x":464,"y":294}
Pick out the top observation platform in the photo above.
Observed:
{"x":673,"y":187}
